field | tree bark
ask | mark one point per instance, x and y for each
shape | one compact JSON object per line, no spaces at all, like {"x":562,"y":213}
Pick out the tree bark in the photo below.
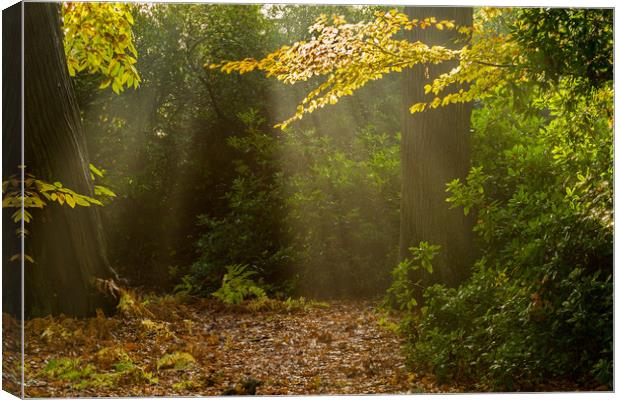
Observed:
{"x":11,"y":158}
{"x":11,"y":151}
{"x":435,"y":150}
{"x":67,"y":244}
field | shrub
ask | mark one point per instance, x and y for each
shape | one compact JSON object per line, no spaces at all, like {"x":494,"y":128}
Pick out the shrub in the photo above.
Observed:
{"x":250,"y":232}
{"x":405,"y":289}
{"x":539,"y":304}
{"x":290,"y":305}
{"x":305,"y":208}
{"x":343,"y":201}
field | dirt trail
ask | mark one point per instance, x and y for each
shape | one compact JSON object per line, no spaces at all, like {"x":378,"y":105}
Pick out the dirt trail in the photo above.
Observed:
{"x":204,"y":350}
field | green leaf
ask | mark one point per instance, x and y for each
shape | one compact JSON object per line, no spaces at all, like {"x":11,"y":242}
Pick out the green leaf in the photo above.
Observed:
{"x":16,"y":257}
{"x":80,"y":201}
{"x":129,"y":17}
{"x":115,"y":69}
{"x":93,"y":201}
{"x":95,"y":170}
{"x":104,"y":191}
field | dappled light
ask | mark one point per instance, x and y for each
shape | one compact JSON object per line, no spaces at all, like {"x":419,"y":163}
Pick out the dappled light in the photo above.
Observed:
{"x":274,"y":199}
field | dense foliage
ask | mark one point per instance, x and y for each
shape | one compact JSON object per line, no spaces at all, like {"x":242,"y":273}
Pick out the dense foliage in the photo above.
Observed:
{"x":305,"y":209}
{"x":98,"y":39}
{"x":164,"y":144}
{"x":343,"y":201}
{"x":539,"y":304}
{"x":349,"y":55}
{"x":560,"y":42}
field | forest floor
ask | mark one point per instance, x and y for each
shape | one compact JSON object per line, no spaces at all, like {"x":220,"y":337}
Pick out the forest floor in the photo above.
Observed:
{"x":167,"y":347}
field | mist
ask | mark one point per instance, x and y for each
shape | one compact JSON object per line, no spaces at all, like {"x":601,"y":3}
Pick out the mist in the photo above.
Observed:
{"x":166,"y":150}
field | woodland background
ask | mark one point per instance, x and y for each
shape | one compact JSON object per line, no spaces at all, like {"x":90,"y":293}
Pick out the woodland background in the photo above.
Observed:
{"x":169,"y":224}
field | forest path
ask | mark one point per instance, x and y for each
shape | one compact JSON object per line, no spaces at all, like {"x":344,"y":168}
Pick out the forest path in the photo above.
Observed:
{"x":204,"y":349}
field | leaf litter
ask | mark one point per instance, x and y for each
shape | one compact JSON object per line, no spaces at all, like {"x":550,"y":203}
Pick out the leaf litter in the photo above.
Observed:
{"x":202,"y":348}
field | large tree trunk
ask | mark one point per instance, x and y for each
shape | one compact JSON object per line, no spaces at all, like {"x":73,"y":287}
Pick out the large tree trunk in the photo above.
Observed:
{"x":67,"y":244}
{"x":435,"y":150}
{"x":11,"y":151}
{"x":11,"y":158}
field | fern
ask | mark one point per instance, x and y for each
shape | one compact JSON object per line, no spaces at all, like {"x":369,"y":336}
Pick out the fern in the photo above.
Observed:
{"x":237,"y":285}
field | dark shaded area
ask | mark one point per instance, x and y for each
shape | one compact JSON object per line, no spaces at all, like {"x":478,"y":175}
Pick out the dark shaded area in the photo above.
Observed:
{"x":568,"y":42}
{"x":66,"y":244}
{"x":11,"y":158}
{"x":11,"y":151}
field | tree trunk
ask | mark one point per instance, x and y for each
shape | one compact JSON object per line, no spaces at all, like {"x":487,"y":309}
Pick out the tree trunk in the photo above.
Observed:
{"x":67,"y":244}
{"x":11,"y":158}
{"x":435,"y":150}
{"x":11,"y":151}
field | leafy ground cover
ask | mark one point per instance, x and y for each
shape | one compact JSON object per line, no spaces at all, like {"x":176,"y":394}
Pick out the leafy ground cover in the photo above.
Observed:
{"x":203,"y":348}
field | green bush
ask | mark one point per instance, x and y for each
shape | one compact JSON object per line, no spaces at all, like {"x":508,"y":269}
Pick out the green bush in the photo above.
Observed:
{"x":539,"y":304}
{"x":251,"y":231}
{"x":343,"y":199}
{"x":308,"y":209}
{"x":405,"y":287}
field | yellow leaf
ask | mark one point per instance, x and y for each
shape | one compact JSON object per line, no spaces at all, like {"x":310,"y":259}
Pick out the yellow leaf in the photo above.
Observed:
{"x":418,"y":107}
{"x":81,"y":202}
{"x":70,"y":200}
{"x":105,"y":83}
